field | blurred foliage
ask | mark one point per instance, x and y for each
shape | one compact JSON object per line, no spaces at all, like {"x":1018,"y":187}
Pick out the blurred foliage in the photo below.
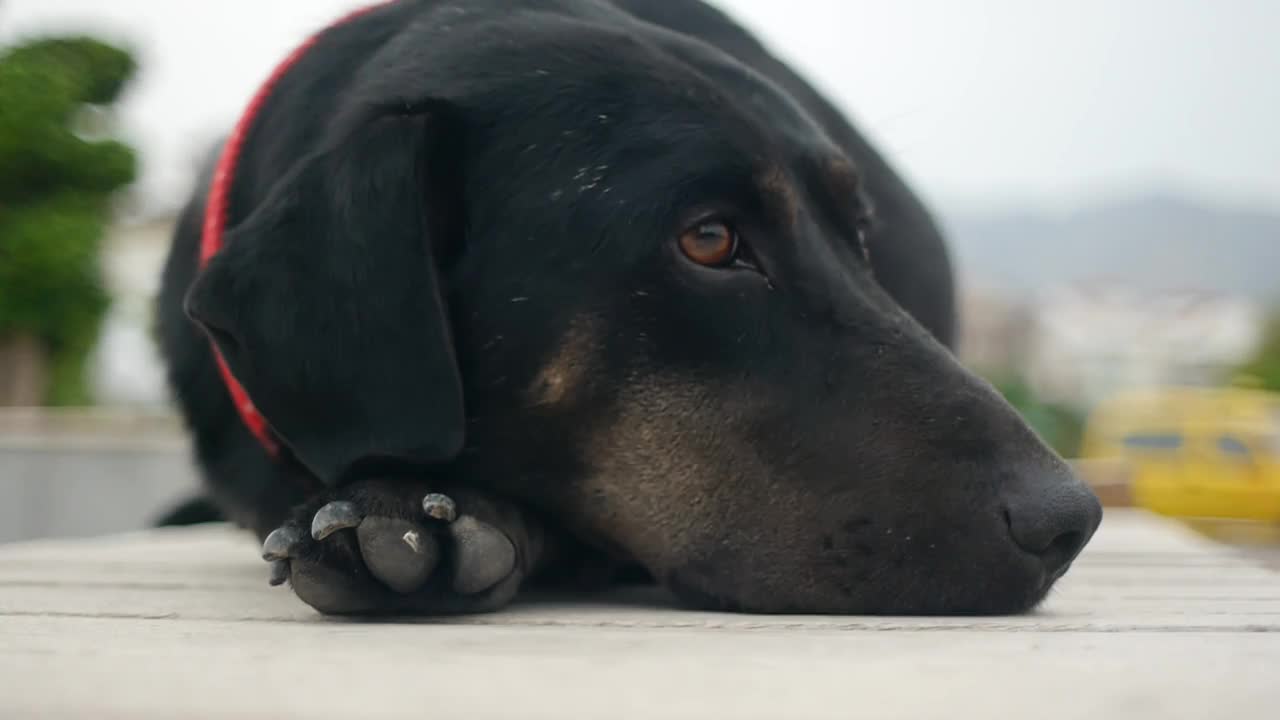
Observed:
{"x":1061,"y":427}
{"x":55,"y":191}
{"x":1263,"y":370}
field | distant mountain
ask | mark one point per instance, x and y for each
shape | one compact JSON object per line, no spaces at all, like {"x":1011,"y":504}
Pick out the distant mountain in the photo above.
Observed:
{"x":1154,"y":242}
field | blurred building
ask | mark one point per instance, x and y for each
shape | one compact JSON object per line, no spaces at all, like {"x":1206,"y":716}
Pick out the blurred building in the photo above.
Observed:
{"x":995,"y":330}
{"x":1090,"y":340}
{"x":126,"y":367}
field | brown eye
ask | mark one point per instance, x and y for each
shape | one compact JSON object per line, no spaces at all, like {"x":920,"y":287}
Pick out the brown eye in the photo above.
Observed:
{"x":713,"y":244}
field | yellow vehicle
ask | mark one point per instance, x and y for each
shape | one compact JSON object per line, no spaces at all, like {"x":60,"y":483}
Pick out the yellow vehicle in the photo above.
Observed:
{"x":1194,"y":452}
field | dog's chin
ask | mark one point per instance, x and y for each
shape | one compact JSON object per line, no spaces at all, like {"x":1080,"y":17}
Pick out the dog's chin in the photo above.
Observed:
{"x":980,"y":597}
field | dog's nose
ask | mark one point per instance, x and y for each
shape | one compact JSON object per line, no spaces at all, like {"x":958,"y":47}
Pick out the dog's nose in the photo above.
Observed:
{"x":1053,"y":519}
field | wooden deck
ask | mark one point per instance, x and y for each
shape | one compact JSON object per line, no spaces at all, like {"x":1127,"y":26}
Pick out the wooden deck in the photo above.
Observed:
{"x":1154,"y":622}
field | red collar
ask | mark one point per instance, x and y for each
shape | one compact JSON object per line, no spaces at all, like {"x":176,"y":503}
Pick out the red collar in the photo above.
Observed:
{"x":215,"y":217}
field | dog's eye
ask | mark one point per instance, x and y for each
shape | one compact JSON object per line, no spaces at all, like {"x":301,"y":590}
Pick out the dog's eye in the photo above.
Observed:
{"x":712,"y":243}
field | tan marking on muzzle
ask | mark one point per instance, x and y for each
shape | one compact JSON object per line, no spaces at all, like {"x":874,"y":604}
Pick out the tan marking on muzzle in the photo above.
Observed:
{"x":569,"y":366}
{"x":655,"y":479}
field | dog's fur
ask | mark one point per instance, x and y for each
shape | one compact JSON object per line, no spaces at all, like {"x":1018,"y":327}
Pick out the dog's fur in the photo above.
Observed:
{"x":452,"y":265}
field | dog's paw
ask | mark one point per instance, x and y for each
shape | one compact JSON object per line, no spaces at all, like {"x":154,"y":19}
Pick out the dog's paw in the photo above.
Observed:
{"x":394,"y":547}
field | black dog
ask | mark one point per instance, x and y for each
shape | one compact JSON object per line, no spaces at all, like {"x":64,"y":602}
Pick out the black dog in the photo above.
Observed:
{"x":541,"y":288}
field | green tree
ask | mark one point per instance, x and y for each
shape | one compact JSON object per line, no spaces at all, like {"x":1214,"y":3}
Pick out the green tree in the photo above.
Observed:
{"x":1263,"y":370}
{"x":1061,"y":427}
{"x":55,"y":192}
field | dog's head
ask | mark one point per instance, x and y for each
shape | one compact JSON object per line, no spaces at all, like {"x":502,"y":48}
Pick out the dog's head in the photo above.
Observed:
{"x":623,"y":277}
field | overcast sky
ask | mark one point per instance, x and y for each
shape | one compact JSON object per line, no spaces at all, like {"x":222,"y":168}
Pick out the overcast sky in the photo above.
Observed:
{"x":991,"y":101}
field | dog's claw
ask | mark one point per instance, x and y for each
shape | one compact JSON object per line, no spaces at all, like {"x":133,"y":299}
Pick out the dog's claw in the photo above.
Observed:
{"x":333,"y":517}
{"x":279,"y":572}
{"x":280,"y":543}
{"x":440,"y":507}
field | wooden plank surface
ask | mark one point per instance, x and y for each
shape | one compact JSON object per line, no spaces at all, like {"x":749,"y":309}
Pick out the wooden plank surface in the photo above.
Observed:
{"x":1154,"y":622}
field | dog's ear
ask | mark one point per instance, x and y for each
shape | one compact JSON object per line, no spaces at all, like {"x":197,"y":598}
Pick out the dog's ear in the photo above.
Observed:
{"x":327,"y":305}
